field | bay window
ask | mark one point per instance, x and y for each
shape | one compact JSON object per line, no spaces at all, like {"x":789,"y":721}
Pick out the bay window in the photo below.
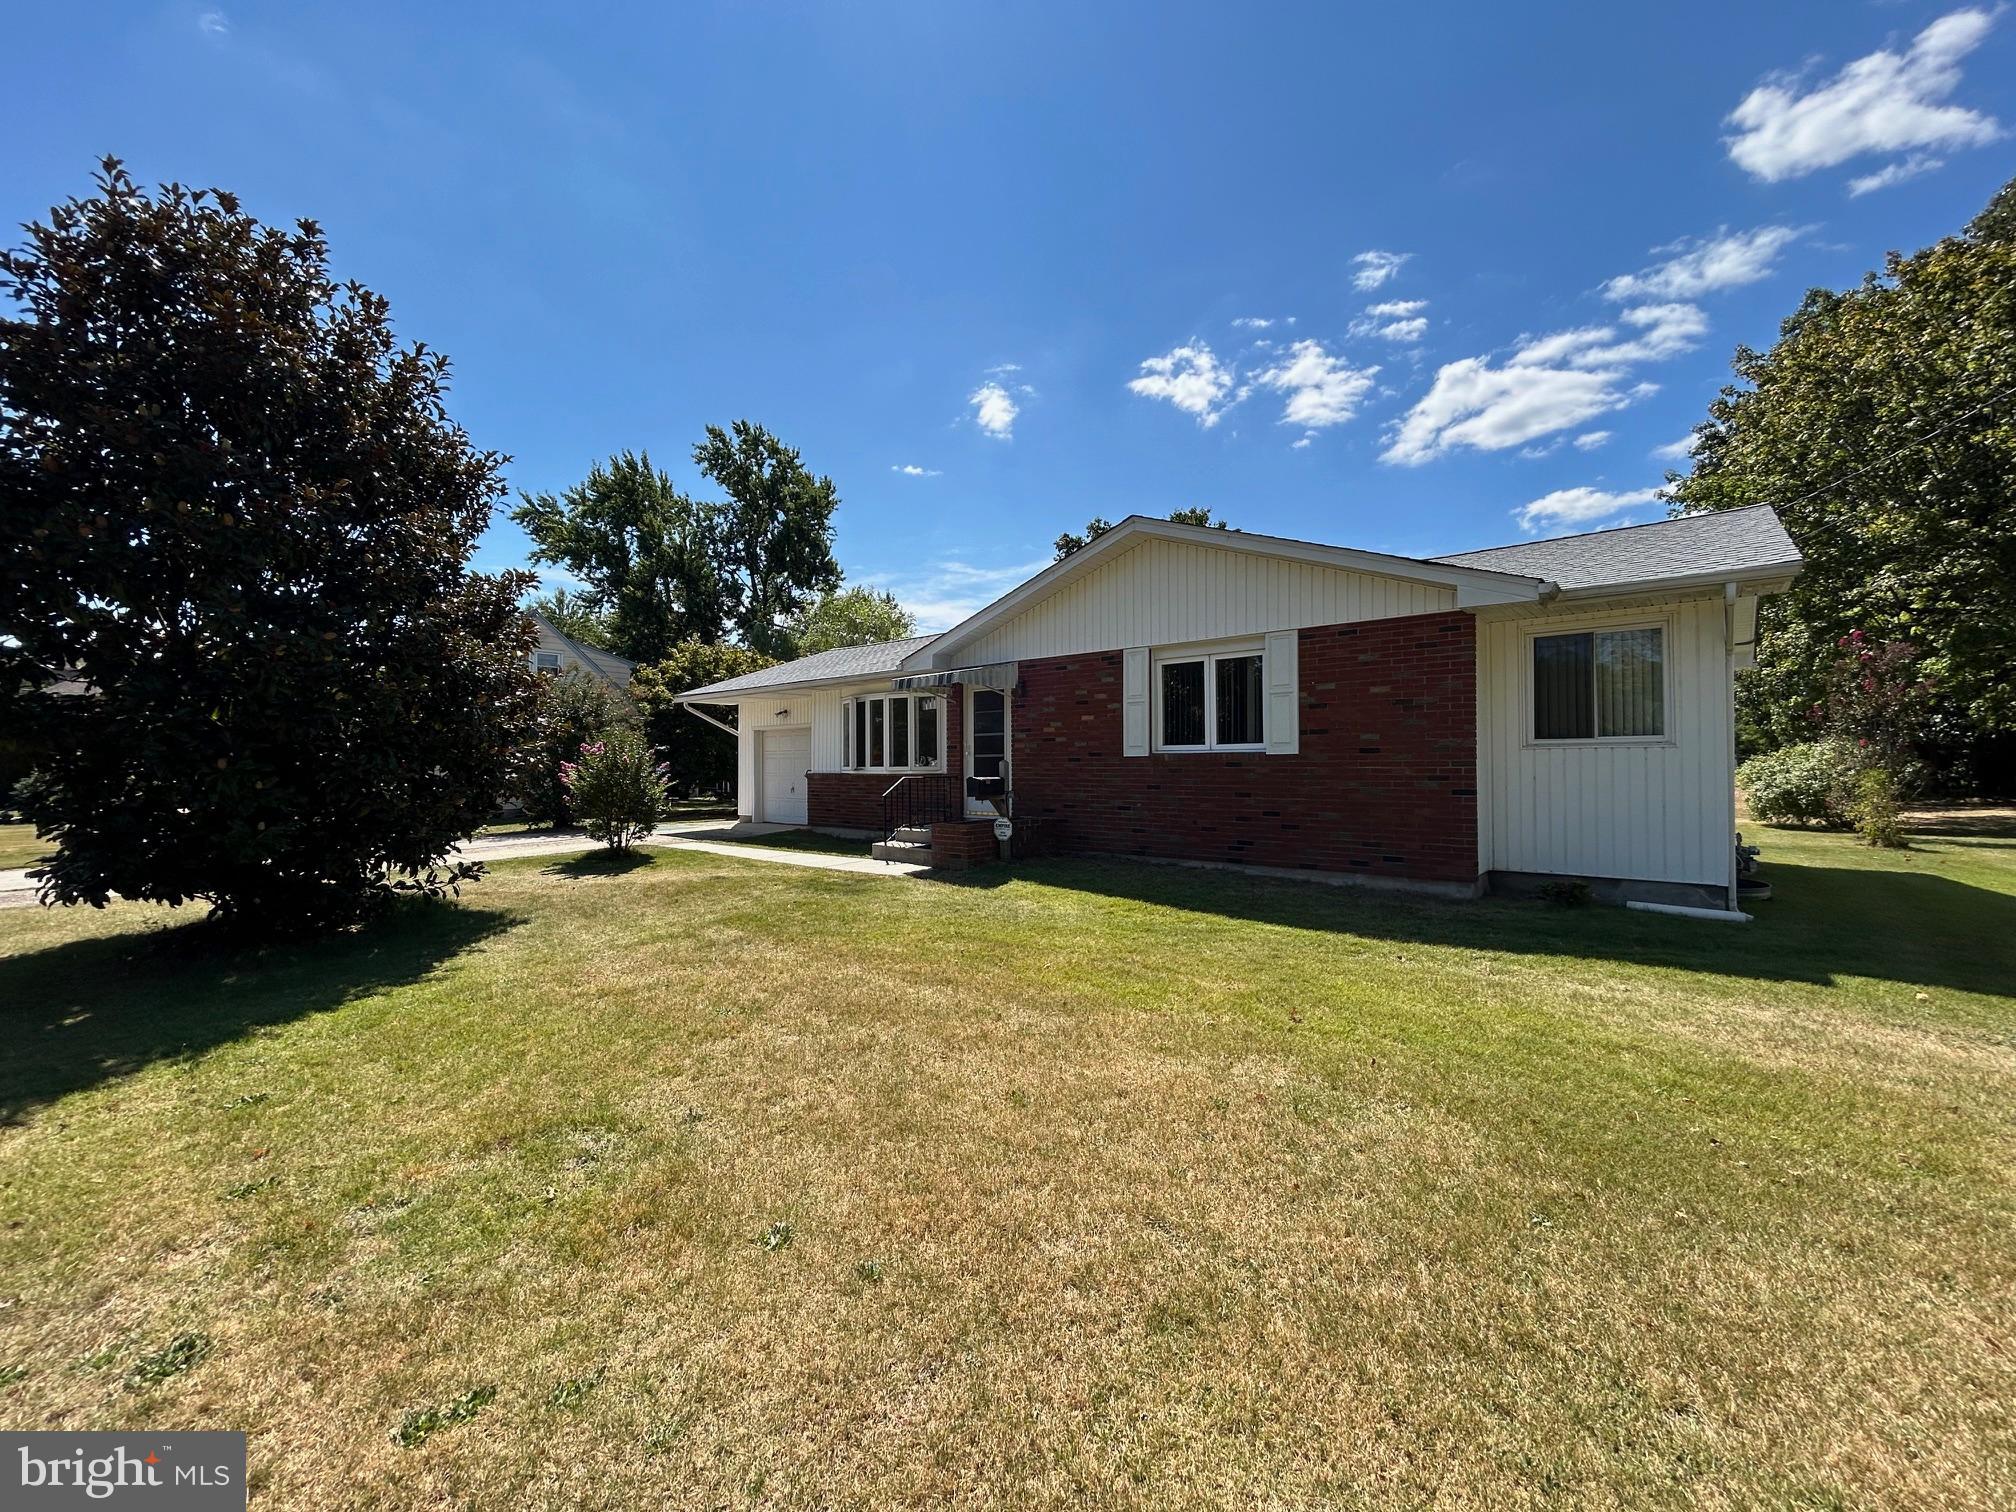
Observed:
{"x":1600,"y":685}
{"x":891,"y":732}
{"x":1210,"y":701}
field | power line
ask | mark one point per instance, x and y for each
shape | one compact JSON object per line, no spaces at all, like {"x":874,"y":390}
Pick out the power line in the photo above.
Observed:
{"x":1892,"y":456}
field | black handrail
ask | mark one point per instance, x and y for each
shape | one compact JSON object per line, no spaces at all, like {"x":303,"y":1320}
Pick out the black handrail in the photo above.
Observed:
{"x":918,"y":798}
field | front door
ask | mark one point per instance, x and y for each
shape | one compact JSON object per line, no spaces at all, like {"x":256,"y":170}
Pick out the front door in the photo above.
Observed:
{"x":986,"y":743}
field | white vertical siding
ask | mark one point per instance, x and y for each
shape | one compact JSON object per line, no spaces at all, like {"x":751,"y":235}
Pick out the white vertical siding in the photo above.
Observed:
{"x":1651,"y":812}
{"x":1163,"y":593}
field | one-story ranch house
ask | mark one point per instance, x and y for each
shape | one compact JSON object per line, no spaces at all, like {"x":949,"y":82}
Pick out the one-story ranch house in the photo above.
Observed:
{"x":1551,"y":709}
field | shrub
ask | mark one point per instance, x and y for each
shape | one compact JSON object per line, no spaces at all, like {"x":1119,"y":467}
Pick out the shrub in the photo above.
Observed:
{"x":616,"y":791}
{"x":1877,"y":815}
{"x":574,"y":710}
{"x":1812,"y":783}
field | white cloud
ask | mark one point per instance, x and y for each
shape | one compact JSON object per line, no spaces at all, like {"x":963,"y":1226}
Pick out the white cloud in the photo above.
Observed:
{"x":1668,"y":330}
{"x":1676,"y":451}
{"x":1189,"y":377}
{"x":1896,"y":173}
{"x":214,"y":24}
{"x":994,"y":411}
{"x":1322,"y":390}
{"x":1726,"y":260}
{"x":1473,"y":403}
{"x":1395,"y":308}
{"x":1886,"y":102}
{"x":1002,"y":369}
{"x":1305,"y":439}
{"x":1590,"y":440}
{"x":1375,"y":267}
{"x":1253,"y":322}
{"x":1578,"y":506}
{"x":912,"y":470}
{"x":943,"y":593}
{"x":1411,"y":329}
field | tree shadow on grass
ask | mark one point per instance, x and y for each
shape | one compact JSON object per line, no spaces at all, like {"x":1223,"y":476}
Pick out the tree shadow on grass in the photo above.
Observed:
{"x":601,"y":862}
{"x":1823,"y":924}
{"x":88,"y":1011}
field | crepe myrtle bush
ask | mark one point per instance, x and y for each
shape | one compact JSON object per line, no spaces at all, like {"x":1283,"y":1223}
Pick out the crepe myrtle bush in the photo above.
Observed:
{"x":618,"y":789}
{"x":238,"y":517}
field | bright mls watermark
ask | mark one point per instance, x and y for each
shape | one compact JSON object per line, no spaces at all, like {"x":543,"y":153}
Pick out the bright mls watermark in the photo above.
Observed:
{"x":175,"y":1472}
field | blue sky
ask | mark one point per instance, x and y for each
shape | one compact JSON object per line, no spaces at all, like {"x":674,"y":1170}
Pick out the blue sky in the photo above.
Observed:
{"x":998,"y":269}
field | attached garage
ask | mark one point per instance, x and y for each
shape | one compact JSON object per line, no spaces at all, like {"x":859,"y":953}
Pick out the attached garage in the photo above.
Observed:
{"x":785,"y":757}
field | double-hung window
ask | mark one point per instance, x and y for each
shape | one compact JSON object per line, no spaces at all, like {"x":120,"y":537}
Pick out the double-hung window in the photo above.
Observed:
{"x":1210,"y":701}
{"x":546,"y":661}
{"x":1600,"y":685}
{"x":891,"y":732}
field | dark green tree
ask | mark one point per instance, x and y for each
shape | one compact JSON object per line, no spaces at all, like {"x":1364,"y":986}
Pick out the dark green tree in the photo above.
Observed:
{"x":1192,"y":514}
{"x":576,"y":615}
{"x":700,"y":757}
{"x":573,"y":707}
{"x":240,"y":508}
{"x":646,"y":551}
{"x":775,"y":532}
{"x":850,"y":617}
{"x":1882,"y":426}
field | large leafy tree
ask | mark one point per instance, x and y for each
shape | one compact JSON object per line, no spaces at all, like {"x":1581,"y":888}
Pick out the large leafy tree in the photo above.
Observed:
{"x":238,"y":510}
{"x":648,"y":554}
{"x":572,"y":708}
{"x":1882,"y":425}
{"x":1098,"y":525}
{"x":850,"y":617}
{"x":775,"y":534}
{"x":698,"y":756}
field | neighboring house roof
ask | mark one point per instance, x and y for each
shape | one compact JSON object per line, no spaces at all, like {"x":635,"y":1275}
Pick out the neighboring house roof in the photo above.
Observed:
{"x":1719,"y":544}
{"x":1729,"y":545}
{"x":842,"y":664}
{"x":612,"y":669}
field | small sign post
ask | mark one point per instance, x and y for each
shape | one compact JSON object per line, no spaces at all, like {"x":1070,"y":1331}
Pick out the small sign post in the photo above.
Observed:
{"x":1004,"y":830}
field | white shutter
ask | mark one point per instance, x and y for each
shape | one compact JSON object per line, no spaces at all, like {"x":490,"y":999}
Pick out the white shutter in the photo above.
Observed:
{"x":1134,"y":702}
{"x":847,"y":734}
{"x":1284,"y":694}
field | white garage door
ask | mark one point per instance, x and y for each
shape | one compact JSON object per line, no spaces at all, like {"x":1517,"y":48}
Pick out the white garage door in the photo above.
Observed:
{"x":786,"y":754}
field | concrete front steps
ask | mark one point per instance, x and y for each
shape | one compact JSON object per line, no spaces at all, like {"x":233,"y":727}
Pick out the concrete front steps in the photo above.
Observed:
{"x":911,"y":843}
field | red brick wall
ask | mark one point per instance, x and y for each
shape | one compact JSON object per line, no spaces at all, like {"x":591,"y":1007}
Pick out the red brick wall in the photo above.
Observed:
{"x":965,"y":843}
{"x":853,"y":800}
{"x":1385,"y":784}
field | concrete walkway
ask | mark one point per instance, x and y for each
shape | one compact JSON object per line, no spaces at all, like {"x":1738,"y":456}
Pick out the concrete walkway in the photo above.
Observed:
{"x":709,"y":835}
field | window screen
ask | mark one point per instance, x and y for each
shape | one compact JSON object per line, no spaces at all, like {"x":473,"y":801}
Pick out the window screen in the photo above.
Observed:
{"x":1183,"y":703}
{"x":1240,"y":710}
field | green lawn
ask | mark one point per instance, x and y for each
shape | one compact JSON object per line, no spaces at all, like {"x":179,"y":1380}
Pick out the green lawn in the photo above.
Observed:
{"x":1075,"y":1183}
{"x":804,"y":840}
{"x":19,"y":847}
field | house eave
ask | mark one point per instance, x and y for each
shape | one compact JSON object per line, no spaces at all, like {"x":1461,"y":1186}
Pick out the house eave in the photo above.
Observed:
{"x":1474,"y":586}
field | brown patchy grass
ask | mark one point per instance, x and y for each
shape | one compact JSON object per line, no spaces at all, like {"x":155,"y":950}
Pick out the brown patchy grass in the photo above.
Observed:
{"x":1070,"y":1184}
{"x":19,"y":847}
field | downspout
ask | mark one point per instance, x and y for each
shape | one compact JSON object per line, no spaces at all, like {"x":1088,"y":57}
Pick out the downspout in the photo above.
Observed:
{"x":718,"y":724}
{"x":1729,"y":683}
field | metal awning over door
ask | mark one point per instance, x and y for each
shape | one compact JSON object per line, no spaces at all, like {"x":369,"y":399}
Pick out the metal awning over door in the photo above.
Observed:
{"x":1002,"y":675}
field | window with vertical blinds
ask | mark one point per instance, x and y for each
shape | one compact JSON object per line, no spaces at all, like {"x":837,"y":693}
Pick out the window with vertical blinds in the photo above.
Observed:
{"x":1600,"y":685}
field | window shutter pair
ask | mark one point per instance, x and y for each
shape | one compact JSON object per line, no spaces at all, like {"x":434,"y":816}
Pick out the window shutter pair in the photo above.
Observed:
{"x":1280,"y":676}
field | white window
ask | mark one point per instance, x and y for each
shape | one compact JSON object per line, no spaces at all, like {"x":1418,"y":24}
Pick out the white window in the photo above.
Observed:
{"x":546,"y":661}
{"x":1600,"y":684}
{"x":1211,"y":700}
{"x":891,"y":732}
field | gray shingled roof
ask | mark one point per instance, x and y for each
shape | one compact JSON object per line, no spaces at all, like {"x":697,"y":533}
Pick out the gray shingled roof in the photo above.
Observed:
{"x":1731,"y":540}
{"x":827,"y":666}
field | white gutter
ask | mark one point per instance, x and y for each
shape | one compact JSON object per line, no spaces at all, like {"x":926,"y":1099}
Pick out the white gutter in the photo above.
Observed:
{"x":1725,"y":915}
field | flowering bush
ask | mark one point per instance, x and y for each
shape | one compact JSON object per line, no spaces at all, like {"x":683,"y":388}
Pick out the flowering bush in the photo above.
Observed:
{"x":1813,"y":783}
{"x":617,"y":790}
{"x":1874,"y":697}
